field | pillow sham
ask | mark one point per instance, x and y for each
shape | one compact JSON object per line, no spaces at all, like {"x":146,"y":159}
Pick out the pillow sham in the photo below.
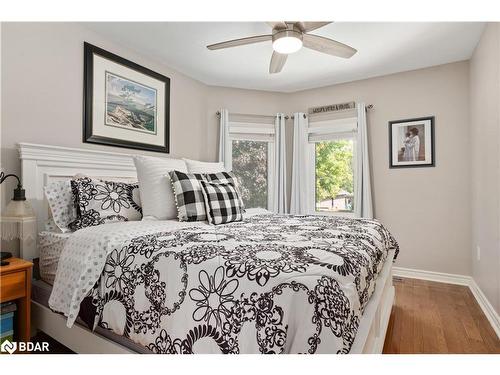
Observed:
{"x":195,"y":166}
{"x":188,"y":194}
{"x":50,"y":226}
{"x":157,"y":196}
{"x":61,"y":203}
{"x":99,"y":202}
{"x":222,"y":202}
{"x":226,"y":178}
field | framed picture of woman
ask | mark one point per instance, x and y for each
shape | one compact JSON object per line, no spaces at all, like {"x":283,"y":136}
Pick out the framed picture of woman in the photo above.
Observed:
{"x":411,"y":143}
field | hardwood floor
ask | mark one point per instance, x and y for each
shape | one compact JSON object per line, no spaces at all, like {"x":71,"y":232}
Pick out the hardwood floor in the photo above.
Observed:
{"x":430,"y":317}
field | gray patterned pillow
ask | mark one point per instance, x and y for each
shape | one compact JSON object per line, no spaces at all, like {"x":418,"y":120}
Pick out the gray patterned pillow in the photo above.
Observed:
{"x":61,"y":203}
{"x":99,"y":202}
{"x":50,"y":226}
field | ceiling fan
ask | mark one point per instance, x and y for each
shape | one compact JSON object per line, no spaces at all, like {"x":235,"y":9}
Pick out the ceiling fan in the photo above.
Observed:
{"x":288,"y":37}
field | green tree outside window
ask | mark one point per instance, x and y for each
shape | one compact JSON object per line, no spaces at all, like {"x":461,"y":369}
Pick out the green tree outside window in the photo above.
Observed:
{"x":334,"y":171}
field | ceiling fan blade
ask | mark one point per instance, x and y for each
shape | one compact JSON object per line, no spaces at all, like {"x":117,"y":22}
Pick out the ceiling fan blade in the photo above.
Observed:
{"x":277,"y":25}
{"x":328,"y":46}
{"x":310,"y":26}
{"x":240,"y":42}
{"x":278,"y":60}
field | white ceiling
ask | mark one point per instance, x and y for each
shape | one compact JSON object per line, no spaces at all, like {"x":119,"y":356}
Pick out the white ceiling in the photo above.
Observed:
{"x":383,"y":48}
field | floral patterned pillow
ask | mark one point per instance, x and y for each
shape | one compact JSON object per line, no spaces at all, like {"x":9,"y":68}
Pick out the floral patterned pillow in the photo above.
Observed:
{"x":100,"y":202}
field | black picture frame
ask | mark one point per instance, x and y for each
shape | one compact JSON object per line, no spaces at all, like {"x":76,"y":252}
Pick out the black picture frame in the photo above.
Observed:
{"x":88,"y":68}
{"x":432,"y":163}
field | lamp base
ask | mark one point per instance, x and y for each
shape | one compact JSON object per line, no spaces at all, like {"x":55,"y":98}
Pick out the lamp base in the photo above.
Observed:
{"x":5,"y":255}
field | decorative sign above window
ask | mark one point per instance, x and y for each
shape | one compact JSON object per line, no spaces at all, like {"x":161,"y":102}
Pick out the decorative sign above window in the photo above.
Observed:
{"x":332,"y":108}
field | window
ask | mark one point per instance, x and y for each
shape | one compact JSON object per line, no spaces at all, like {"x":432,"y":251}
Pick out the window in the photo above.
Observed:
{"x":333,"y":165}
{"x":251,"y":146}
{"x":250,"y":165}
{"x":334,"y":176}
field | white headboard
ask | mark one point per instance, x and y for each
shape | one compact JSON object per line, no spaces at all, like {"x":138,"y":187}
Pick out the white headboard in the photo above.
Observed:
{"x":41,"y":164}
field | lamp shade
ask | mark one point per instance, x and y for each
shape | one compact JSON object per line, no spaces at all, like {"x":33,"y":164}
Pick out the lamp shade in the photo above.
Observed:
{"x":19,"y":209}
{"x":19,"y":221}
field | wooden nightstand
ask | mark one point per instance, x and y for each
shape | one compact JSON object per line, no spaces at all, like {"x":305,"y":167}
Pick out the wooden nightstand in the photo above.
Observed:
{"x":15,"y":284}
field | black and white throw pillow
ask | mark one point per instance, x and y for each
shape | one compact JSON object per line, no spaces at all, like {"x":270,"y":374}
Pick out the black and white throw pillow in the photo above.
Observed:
{"x":99,"y":202}
{"x":226,"y":178}
{"x":188,"y":194}
{"x":222,"y":202}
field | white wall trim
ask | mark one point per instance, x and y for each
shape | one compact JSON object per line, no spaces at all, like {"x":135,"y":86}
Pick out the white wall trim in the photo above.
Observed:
{"x":439,"y":277}
{"x":486,"y":306}
{"x":49,"y":153}
{"x":449,"y":278}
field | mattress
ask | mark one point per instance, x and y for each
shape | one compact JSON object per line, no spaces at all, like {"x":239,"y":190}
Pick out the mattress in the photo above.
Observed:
{"x":50,"y":247}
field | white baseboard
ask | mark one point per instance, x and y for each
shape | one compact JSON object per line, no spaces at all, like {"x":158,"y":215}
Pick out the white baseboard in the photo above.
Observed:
{"x":486,"y":306}
{"x":449,"y":278}
{"x":439,"y":277}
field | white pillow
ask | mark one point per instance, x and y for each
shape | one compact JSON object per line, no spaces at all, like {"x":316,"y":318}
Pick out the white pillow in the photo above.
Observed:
{"x":195,"y":166}
{"x":157,"y":197}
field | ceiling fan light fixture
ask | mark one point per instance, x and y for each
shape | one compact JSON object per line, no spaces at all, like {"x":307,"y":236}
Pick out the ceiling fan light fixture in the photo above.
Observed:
{"x":287,"y":41}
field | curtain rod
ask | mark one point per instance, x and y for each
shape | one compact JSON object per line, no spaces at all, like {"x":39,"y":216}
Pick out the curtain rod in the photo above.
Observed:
{"x":241,"y":114}
{"x":369,"y":106}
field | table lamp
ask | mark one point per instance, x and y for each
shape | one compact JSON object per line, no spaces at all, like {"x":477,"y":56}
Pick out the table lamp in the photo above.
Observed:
{"x":18,"y":219}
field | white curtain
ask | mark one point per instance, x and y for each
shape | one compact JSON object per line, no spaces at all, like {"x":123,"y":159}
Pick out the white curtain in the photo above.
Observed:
{"x":299,"y":203}
{"x":224,"y":139}
{"x":280,"y":201}
{"x":363,"y":206}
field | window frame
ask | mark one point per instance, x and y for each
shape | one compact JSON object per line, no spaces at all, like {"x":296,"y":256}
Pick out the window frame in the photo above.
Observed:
{"x":331,"y":134}
{"x":271,"y":158}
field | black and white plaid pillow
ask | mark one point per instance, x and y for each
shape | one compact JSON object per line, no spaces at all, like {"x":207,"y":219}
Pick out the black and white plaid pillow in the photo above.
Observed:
{"x":222,"y":201}
{"x":188,"y":194}
{"x":99,"y":202}
{"x":226,"y":178}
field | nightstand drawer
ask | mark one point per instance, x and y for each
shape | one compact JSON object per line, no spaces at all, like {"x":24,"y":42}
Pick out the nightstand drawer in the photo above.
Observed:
{"x":13,"y":286}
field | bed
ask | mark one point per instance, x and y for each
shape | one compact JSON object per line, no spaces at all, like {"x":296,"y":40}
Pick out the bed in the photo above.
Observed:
{"x":269,"y":284}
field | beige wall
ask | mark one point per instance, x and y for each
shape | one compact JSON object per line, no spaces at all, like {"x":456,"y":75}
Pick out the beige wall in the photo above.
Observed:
{"x":42,"y":85}
{"x":485,"y":162}
{"x":427,"y":209}
{"x":411,"y":202}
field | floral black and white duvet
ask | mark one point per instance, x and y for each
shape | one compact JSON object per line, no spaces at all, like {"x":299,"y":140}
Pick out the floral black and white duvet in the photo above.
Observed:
{"x":268,"y":284}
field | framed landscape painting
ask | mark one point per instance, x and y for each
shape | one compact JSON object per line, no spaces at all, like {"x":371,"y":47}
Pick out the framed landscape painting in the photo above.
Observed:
{"x":125,"y":104}
{"x":411,"y":143}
